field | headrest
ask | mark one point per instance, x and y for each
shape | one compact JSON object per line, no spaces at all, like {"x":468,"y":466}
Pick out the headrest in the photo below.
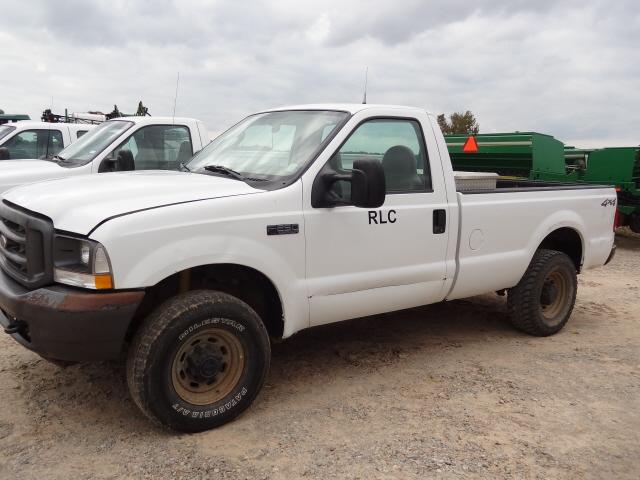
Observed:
{"x":399,"y":160}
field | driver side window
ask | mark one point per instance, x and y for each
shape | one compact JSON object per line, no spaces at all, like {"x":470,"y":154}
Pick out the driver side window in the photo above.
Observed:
{"x":156,"y":147}
{"x":34,"y":144}
{"x":397,"y":144}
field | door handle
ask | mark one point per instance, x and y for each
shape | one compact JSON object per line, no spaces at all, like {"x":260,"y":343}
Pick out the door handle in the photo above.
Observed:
{"x":439,"y":221}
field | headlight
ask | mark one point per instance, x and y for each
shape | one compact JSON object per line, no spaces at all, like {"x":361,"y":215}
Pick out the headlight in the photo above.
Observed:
{"x":81,"y":263}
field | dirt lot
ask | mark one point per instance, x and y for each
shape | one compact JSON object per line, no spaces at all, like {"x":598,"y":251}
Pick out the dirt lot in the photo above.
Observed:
{"x":446,"y":391}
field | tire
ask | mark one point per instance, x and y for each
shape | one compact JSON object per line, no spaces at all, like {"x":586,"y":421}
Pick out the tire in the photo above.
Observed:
{"x":543,"y":300}
{"x":198,"y":361}
{"x":634,"y":223}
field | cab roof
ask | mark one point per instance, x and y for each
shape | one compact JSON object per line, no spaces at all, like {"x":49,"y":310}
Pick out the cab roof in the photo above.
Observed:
{"x":345,"y":107}
{"x":148,"y":119}
{"x":35,"y":124}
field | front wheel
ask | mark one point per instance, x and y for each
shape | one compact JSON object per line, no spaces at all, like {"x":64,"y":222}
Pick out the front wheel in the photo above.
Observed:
{"x":543,"y":300}
{"x":198,"y":361}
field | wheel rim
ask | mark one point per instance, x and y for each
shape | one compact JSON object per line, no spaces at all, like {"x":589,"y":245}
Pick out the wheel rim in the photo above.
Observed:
{"x":553,"y":297}
{"x":208,"y":366}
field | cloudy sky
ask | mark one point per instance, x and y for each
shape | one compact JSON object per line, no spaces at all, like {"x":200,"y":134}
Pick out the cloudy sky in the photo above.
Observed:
{"x":567,"y":68}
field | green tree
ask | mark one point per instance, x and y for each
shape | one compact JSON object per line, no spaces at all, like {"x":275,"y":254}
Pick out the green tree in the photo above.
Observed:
{"x":459,"y":123}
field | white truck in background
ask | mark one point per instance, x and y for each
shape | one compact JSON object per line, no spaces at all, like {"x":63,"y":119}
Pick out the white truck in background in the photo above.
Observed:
{"x":122,"y":144}
{"x":294,"y":217}
{"x":42,"y":140}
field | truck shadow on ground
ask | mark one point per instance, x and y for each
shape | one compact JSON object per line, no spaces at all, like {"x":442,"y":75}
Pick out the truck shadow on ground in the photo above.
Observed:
{"x":453,"y":323}
{"x":97,"y":393}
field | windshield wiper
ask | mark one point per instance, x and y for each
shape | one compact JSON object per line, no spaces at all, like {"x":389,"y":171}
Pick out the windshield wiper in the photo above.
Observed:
{"x":57,"y":158}
{"x":225,"y":171}
{"x":184,"y":167}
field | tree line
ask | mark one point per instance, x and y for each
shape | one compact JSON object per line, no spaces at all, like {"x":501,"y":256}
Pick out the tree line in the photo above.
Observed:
{"x":460,"y":123}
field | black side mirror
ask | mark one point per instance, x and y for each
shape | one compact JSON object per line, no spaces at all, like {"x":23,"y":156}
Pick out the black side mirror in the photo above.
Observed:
{"x":368,"y":188}
{"x":124,"y":161}
{"x":5,"y":154}
{"x":108,"y":164}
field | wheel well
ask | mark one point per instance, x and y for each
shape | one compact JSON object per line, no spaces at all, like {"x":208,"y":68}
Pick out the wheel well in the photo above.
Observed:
{"x":565,"y":240}
{"x":245,"y":283}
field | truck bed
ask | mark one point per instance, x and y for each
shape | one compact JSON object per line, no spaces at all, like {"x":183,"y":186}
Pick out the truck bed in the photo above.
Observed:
{"x":497,"y":233}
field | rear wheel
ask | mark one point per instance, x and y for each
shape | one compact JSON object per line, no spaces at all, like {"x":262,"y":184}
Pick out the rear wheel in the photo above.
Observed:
{"x":543,"y":300}
{"x":634,"y":223}
{"x":198,"y":361}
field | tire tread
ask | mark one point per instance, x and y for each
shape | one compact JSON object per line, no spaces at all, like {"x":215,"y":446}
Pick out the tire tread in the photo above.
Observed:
{"x":154,"y":325}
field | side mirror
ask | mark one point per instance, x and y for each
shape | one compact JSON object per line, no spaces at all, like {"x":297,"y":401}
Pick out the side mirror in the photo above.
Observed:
{"x":108,"y":164}
{"x":5,"y":154}
{"x":124,"y":161}
{"x":368,"y":188}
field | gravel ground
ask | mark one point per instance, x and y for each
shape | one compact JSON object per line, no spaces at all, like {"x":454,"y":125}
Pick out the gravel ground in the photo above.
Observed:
{"x":445,"y":391}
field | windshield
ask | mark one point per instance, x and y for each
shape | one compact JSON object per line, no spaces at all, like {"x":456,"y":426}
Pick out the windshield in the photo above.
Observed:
{"x":5,"y":130}
{"x":90,"y":145}
{"x":272,"y":146}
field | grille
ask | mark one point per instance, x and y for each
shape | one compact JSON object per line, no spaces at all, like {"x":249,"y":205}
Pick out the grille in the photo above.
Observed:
{"x":13,"y":245}
{"x":25,"y":246}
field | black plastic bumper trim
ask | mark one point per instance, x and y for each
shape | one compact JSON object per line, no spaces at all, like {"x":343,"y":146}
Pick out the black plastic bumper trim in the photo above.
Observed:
{"x":66,"y":323}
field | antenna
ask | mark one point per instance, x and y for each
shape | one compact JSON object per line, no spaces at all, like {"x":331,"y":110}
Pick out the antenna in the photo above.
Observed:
{"x":175,"y":100}
{"x":366,"y":75}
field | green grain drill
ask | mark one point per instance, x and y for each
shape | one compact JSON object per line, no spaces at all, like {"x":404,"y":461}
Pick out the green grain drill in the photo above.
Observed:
{"x":541,"y":157}
{"x":618,"y":166}
{"x":520,"y":154}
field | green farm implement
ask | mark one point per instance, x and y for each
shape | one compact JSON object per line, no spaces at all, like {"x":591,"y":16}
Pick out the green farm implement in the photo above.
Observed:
{"x":520,"y":154}
{"x":542,"y":157}
{"x":619,"y":166}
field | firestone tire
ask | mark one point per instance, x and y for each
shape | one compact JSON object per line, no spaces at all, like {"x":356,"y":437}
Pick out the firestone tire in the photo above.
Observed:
{"x":198,"y":361}
{"x":543,"y":300}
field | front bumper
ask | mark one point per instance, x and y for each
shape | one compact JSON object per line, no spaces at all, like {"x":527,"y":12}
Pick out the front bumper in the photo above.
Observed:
{"x":66,"y":323}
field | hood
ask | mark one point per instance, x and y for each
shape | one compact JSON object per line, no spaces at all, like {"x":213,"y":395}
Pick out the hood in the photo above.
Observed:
{"x":19,"y":172}
{"x":79,"y":204}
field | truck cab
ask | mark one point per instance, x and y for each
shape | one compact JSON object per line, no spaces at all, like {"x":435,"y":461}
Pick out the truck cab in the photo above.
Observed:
{"x":122,"y":144}
{"x":38,"y":140}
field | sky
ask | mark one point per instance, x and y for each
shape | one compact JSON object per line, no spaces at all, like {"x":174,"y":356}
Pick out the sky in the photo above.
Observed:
{"x":570,"y":69}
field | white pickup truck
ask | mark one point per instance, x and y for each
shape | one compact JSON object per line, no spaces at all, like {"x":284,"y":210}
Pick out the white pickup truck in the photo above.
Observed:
{"x":27,"y":139}
{"x":294,"y":217}
{"x":122,"y":144}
